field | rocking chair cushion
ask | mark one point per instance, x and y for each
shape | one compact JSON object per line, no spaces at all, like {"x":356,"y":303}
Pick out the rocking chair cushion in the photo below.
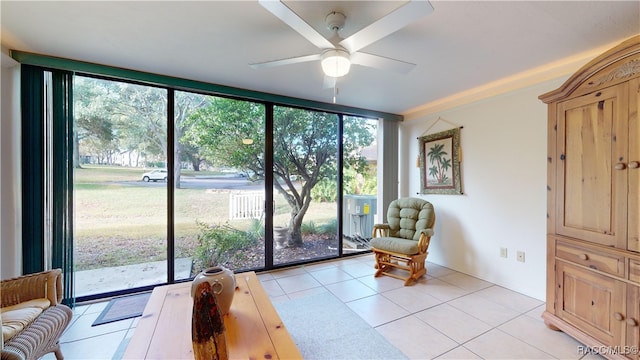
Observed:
{"x":408,"y":216}
{"x":396,"y":245}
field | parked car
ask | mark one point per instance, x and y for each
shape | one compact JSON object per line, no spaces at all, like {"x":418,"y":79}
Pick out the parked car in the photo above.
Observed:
{"x":155,"y":175}
{"x":247,"y":174}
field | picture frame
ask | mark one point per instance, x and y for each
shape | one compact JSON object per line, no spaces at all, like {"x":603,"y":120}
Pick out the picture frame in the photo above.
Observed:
{"x":440,"y":163}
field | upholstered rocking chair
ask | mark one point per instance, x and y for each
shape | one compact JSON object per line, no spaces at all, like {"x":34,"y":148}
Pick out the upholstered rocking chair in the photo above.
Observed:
{"x":402,"y":243}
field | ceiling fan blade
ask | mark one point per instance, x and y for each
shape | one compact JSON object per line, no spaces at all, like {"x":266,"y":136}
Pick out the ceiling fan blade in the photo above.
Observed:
{"x":380,"y":62}
{"x":390,"y":23}
{"x":281,"y":11}
{"x":287,"y":61}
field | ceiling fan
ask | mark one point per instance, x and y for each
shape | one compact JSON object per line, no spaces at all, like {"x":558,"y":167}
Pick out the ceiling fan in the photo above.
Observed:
{"x":338,"y":54}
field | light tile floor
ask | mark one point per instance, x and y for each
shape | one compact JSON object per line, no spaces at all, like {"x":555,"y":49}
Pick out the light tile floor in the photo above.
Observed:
{"x":446,"y":315}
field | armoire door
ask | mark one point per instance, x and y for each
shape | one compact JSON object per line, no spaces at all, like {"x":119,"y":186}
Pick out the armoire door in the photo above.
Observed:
{"x":591,"y":302}
{"x":592,"y":181}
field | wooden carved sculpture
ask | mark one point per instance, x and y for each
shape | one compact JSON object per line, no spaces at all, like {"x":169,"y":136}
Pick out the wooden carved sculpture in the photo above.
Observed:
{"x":207,"y":330}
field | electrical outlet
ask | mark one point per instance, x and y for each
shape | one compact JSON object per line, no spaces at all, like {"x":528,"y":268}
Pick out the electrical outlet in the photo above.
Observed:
{"x":503,"y":252}
{"x":520,"y":256}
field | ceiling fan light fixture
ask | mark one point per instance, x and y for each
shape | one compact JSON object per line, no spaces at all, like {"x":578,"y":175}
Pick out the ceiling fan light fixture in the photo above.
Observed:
{"x":336,"y":63}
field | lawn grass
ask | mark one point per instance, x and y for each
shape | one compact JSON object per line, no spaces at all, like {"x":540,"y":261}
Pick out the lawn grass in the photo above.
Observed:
{"x":99,"y":174}
{"x":118,"y":222}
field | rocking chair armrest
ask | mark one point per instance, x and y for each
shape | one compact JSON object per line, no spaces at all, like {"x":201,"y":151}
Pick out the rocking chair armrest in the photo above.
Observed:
{"x":425,"y":240}
{"x":380,"y":230}
{"x":427,"y":232}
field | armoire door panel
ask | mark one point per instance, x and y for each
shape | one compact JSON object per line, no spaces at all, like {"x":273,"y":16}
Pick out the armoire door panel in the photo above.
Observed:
{"x":591,"y":202}
{"x":634,"y":166}
{"x":591,"y":301}
{"x":633,"y":321}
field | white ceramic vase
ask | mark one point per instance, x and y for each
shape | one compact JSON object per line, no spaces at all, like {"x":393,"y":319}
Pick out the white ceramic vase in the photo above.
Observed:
{"x":223,"y":285}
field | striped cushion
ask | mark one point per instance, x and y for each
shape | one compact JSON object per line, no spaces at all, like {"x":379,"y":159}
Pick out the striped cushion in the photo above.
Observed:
{"x":17,"y":317}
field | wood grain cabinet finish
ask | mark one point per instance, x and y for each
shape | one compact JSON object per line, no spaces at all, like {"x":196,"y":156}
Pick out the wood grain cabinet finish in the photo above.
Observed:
{"x":590,"y":301}
{"x":591,"y":193}
{"x":613,"y":264}
{"x":593,"y":202}
{"x":632,"y":322}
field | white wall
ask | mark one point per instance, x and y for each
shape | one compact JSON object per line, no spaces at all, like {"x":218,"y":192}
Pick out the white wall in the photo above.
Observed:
{"x":10,"y":205}
{"x":504,"y":148}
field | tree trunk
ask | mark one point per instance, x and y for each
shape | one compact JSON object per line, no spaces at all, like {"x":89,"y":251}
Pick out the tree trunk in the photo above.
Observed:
{"x":295,"y":224}
{"x":177,"y":169}
{"x":296,"y":236}
{"x":76,"y":151}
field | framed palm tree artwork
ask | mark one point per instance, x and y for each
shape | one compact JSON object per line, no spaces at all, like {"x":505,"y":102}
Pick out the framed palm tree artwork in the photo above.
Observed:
{"x":440,"y":163}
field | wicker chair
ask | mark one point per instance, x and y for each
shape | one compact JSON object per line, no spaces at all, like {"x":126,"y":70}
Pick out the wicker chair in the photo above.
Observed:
{"x":41,"y":336}
{"x":403,"y":242}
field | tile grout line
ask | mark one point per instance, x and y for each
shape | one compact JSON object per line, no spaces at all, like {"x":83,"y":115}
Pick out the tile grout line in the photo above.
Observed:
{"x":492,"y":327}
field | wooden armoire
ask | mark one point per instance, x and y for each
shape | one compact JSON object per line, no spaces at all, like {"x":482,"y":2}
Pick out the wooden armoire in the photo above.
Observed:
{"x":593,"y":201}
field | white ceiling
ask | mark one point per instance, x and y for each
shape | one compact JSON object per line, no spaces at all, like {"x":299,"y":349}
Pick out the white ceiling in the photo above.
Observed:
{"x":461,"y":45}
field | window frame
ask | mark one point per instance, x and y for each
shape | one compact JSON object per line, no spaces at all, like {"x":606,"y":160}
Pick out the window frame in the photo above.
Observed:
{"x":172,"y":84}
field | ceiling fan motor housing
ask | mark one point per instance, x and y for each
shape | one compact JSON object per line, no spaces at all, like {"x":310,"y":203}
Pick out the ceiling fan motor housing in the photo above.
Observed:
{"x":335,"y":21}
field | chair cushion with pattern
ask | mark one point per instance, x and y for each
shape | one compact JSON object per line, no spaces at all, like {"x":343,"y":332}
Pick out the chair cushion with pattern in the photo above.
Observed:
{"x":405,"y":215}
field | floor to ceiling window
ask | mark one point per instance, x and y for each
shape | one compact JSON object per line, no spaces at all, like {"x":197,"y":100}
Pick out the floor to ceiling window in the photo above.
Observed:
{"x":305,"y":163}
{"x":168,"y":180}
{"x":120,"y":185}
{"x":359,"y":182}
{"x":219,"y":183}
{"x":125,"y":223}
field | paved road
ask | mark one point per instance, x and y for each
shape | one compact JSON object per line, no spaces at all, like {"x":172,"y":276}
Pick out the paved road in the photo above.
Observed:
{"x":212,"y":182}
{"x":223,"y":182}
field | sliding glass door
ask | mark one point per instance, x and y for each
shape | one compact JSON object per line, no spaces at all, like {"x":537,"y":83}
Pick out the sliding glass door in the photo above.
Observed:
{"x":359,"y":183}
{"x":305,"y":186}
{"x":168,"y":183}
{"x":120,"y":186}
{"x":219,"y":184}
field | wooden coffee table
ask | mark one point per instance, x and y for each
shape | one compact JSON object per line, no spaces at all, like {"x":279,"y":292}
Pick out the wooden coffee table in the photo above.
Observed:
{"x":253,"y":327}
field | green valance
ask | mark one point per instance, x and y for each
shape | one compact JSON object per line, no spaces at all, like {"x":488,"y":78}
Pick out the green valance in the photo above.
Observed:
{"x":198,"y":86}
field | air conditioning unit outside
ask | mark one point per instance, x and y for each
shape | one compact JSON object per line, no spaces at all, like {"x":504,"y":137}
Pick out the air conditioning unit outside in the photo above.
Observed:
{"x":359,"y":212}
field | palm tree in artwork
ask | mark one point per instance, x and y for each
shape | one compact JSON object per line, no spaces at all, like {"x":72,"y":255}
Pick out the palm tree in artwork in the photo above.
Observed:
{"x":440,"y":163}
{"x":433,"y":172}
{"x":446,"y":164}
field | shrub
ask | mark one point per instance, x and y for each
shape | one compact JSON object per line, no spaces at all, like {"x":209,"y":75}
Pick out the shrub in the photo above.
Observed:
{"x":309,"y":228}
{"x":324,"y":191}
{"x":329,"y":228}
{"x":256,"y":229}
{"x":218,"y":243}
{"x":353,"y":183}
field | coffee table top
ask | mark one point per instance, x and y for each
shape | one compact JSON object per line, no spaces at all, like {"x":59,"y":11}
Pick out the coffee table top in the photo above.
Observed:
{"x":253,"y":327}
